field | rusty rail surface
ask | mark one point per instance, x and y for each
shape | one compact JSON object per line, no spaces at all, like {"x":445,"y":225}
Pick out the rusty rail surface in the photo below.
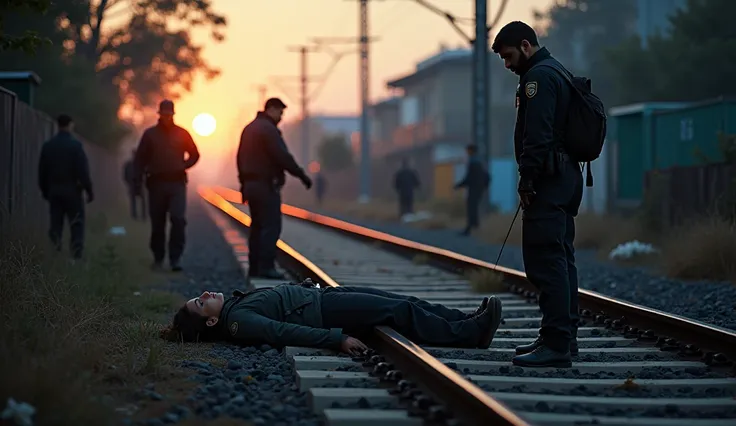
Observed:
{"x":658,"y":325}
{"x":466,"y":400}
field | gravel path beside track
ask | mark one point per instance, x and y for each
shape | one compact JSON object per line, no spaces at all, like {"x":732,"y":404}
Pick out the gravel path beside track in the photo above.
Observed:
{"x":253,"y":384}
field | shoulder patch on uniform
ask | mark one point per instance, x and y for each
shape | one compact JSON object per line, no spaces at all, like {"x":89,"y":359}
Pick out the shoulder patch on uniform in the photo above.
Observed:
{"x":530,"y":89}
{"x":234,"y":328}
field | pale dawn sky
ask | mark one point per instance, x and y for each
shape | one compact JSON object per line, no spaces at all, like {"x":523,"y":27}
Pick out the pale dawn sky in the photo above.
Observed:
{"x":259,"y":33}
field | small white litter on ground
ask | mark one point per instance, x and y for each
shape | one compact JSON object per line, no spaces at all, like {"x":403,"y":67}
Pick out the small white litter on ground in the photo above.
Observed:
{"x":631,"y":250}
{"x":416,"y":217}
{"x":117,"y":230}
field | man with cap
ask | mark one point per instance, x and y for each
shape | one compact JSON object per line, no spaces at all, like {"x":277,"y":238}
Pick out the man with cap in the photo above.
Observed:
{"x":476,"y":181}
{"x":262,"y":160}
{"x":161,"y":157}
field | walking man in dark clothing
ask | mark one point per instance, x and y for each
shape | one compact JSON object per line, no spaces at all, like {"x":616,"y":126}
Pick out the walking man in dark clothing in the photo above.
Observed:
{"x":63,"y":174}
{"x":135,"y":189}
{"x":550,"y":189}
{"x":476,"y":181}
{"x":406,"y":182}
{"x":165,"y":153}
{"x":262,"y":160}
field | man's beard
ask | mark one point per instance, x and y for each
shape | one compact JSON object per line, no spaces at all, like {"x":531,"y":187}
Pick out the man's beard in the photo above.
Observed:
{"x":522,"y":65}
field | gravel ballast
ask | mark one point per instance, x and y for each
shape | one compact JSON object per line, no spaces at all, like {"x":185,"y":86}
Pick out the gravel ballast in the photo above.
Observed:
{"x":710,"y":302}
{"x":255,"y":384}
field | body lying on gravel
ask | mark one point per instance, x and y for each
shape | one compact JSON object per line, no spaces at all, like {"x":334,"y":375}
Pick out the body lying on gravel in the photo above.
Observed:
{"x":305,"y":315}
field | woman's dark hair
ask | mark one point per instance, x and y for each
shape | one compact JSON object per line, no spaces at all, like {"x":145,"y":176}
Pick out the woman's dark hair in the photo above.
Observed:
{"x":190,"y":327}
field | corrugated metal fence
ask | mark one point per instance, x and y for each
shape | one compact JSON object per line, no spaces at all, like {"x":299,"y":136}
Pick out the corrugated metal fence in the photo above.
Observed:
{"x":23,"y":131}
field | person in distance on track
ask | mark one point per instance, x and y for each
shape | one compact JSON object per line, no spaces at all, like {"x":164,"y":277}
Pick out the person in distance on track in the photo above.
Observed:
{"x":305,"y":315}
{"x":550,"y":190}
{"x":262,"y":160}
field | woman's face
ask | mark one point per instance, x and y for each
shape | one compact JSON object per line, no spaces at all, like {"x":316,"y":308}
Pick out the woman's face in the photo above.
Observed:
{"x":208,"y":305}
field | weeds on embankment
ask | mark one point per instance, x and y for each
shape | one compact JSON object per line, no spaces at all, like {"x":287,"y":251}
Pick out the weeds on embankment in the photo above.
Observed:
{"x":78,"y":339}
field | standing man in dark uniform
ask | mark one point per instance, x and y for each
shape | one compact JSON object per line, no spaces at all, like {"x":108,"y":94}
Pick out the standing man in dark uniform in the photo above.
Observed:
{"x":476,"y":181}
{"x":161,"y":156}
{"x":550,"y":189}
{"x":63,"y":174}
{"x":262,"y":160}
{"x":406,"y":182}
{"x":135,"y":189}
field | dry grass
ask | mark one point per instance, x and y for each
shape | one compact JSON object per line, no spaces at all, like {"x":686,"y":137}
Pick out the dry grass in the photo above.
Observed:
{"x":78,"y":339}
{"x":486,"y":281}
{"x":704,"y":250}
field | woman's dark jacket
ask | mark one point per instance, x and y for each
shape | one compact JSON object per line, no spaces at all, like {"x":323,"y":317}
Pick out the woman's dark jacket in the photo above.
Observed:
{"x":285,"y":315}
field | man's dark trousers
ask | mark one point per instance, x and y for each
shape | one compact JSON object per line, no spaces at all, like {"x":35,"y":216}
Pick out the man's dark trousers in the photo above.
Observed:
{"x":71,"y":207}
{"x":406,"y":203}
{"x":359,"y":309}
{"x":134,"y":196}
{"x":472,"y":206}
{"x":167,"y":199}
{"x":548,"y":232}
{"x":264,"y":202}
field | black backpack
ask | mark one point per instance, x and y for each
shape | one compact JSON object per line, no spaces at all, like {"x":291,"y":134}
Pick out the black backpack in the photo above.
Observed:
{"x":586,"y":121}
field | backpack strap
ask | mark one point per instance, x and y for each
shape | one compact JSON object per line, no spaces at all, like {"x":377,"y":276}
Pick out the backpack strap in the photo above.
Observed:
{"x":566,"y":75}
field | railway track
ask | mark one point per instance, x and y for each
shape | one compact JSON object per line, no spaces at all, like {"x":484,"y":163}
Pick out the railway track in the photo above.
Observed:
{"x":636,"y":366}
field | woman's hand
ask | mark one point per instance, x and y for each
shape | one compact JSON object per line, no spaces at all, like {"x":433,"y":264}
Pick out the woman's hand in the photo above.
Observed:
{"x":352,"y":346}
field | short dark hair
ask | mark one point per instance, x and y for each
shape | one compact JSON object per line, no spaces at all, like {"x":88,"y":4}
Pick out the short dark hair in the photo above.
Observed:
{"x":64,"y":120}
{"x":512,"y":34}
{"x":190,"y":327}
{"x":274,"y":103}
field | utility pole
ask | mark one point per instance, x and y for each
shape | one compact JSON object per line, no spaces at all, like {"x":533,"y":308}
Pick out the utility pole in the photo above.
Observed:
{"x":365,"y":140}
{"x":364,"y":76}
{"x":481,"y":83}
{"x":304,"y":51}
{"x":481,"y":73}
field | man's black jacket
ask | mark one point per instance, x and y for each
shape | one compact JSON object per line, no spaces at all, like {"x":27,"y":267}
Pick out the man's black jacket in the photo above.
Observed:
{"x":161,"y":153}
{"x":63,"y":168}
{"x":544,"y":98}
{"x":263,"y":155}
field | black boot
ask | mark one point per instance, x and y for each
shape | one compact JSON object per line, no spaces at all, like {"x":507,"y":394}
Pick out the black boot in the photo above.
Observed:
{"x":489,"y":321}
{"x":525,"y":349}
{"x":543,"y":356}
{"x":481,"y":308}
{"x":175,"y":265}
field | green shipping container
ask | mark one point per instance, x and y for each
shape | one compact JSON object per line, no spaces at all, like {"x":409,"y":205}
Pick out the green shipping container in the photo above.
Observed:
{"x":680,"y":135}
{"x":631,"y":142}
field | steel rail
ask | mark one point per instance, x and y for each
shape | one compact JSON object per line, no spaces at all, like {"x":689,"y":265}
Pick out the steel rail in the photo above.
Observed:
{"x":706,"y":337}
{"x":464,"y":399}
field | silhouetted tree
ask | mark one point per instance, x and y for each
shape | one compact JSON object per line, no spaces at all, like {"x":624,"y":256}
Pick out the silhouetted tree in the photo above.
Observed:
{"x":29,"y":40}
{"x":697,"y":60}
{"x":578,"y":31}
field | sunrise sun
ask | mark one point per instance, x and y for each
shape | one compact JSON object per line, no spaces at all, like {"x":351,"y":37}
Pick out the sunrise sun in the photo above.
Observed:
{"x":204,"y":124}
